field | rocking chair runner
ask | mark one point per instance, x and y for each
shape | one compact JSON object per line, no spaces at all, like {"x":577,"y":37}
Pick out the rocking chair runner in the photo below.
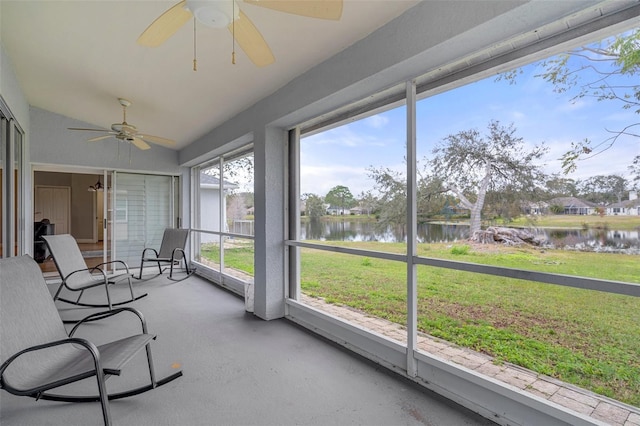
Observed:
{"x":77,"y":276}
{"x":37,"y":355}
{"x":171,"y":251}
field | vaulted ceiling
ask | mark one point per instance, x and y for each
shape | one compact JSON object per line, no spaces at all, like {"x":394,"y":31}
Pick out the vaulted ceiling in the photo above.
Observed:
{"x":76,"y":58}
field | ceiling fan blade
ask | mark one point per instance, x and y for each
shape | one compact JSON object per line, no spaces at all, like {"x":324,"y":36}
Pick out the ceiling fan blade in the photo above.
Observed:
{"x":322,"y":9}
{"x":99,"y":138}
{"x":165,"y":25}
{"x":157,"y":139}
{"x":140,"y":144}
{"x":251,"y":41}
{"x":88,"y":130}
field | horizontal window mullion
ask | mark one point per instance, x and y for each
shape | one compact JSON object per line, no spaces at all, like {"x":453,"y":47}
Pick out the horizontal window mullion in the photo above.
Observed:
{"x":346,"y":250}
{"x":606,"y":286}
{"x":224,"y":234}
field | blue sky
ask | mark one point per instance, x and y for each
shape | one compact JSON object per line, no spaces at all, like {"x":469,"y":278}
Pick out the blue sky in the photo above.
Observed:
{"x":341,"y":156}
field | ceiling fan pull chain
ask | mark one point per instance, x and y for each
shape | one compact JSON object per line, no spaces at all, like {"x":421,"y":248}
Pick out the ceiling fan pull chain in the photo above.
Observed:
{"x":233,"y":31}
{"x":195,"y":63}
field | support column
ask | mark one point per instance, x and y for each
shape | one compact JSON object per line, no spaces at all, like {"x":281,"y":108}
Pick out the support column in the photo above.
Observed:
{"x":269,"y":216}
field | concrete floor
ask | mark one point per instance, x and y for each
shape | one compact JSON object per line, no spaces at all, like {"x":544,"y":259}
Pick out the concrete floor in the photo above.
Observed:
{"x":238,"y":370}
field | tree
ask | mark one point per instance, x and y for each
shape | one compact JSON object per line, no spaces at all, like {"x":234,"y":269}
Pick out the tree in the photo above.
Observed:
{"x":469,"y":165}
{"x":432,"y":200}
{"x":558,"y":186}
{"x":236,"y":207}
{"x":606,"y":71}
{"x":392,"y":202}
{"x":604,"y":189}
{"x":340,"y":196}
{"x":368,"y":202}
{"x":314,"y":206}
{"x":634,"y":170}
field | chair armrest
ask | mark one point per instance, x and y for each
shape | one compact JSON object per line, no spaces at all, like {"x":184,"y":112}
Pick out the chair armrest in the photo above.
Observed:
{"x":114,"y":261}
{"x":149,"y":248}
{"x":72,"y":340}
{"x":90,"y":270}
{"x":106,"y":314}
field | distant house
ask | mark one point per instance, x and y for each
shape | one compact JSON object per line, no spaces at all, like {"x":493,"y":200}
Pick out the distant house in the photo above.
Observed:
{"x":541,"y":207}
{"x":630,"y":207}
{"x":337,"y":211}
{"x":573,"y":205}
{"x":210,"y":204}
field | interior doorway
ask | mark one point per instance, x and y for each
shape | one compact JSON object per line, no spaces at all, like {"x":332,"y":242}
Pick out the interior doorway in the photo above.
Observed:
{"x":69,"y":202}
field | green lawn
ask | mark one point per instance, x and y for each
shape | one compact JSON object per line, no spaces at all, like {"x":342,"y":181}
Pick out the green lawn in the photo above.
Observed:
{"x":239,"y":257}
{"x":583,"y":337}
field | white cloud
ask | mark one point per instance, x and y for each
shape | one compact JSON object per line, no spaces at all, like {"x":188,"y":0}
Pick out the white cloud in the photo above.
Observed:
{"x":518,"y":116}
{"x":624,"y":116}
{"x":320,"y":179}
{"x":616,"y":160}
{"x":377,"y":121}
{"x":343,"y":136}
{"x":572,"y":106}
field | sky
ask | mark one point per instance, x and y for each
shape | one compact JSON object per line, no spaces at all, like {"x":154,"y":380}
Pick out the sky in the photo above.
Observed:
{"x":341,"y":156}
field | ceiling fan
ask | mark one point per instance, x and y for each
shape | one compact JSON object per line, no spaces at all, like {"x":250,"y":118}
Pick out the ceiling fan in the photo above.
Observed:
{"x":225,"y":13}
{"x":128,"y":132}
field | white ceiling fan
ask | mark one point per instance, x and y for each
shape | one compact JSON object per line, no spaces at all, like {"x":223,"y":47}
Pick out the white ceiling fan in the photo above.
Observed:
{"x":226,"y":13}
{"x":128,"y":132}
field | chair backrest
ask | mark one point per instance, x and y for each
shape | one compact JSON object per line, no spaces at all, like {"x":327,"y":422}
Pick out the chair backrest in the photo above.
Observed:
{"x":28,"y":317}
{"x":171,"y":239}
{"x":68,"y":258}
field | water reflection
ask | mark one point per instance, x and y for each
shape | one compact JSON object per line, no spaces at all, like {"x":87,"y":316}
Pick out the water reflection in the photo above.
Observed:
{"x":580,"y":239}
{"x":592,"y":239}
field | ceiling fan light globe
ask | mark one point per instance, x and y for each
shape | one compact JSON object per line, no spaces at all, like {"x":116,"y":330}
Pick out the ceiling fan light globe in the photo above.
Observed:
{"x":213,"y":13}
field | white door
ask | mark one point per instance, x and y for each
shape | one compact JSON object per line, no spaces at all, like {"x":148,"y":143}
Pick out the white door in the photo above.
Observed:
{"x":54,"y":203}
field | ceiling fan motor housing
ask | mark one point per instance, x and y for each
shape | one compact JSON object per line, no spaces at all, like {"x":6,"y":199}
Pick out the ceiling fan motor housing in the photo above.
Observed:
{"x":214,"y":13}
{"x":124,"y":128}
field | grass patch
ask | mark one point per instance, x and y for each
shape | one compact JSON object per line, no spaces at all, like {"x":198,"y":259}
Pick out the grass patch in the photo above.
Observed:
{"x":239,"y":256}
{"x":460,"y":250}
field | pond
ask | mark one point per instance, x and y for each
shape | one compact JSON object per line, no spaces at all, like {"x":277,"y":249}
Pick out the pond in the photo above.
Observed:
{"x":578,"y":239}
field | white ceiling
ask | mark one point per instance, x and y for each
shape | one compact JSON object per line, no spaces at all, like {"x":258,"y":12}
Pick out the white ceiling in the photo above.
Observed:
{"x":76,"y":58}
